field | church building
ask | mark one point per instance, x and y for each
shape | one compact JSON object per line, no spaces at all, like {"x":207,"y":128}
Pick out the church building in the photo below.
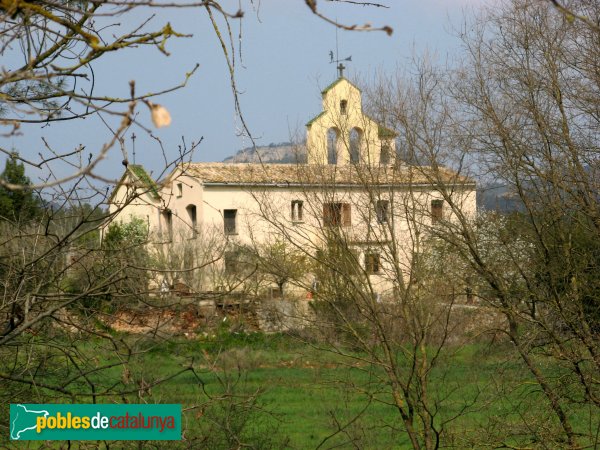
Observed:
{"x":351,"y":185}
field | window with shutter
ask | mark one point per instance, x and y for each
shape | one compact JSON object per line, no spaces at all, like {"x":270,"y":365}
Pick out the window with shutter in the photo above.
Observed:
{"x":346,"y":215}
{"x":372,"y":263}
{"x":337,"y":214}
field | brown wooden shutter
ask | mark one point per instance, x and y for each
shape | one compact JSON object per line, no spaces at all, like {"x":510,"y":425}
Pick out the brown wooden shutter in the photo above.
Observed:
{"x":327,"y":214}
{"x":346,"y":214}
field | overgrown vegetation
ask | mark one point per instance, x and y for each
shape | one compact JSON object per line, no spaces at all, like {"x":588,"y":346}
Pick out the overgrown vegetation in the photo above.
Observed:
{"x":488,"y":336}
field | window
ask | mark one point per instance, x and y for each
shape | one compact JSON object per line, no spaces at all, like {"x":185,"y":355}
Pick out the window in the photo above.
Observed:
{"x":167,"y":218}
{"x":332,"y":153}
{"x":343,"y":107}
{"x":179,"y":190}
{"x":355,"y":139}
{"x":384,"y":157}
{"x":229,"y":221}
{"x":191,"y":210}
{"x":372,"y":263}
{"x":297,"y":210}
{"x":337,"y":214}
{"x":437,"y":210}
{"x":382,"y":210}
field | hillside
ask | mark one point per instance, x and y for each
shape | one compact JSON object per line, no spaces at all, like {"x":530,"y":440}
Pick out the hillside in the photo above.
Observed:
{"x":493,"y":198}
{"x":281,"y":153}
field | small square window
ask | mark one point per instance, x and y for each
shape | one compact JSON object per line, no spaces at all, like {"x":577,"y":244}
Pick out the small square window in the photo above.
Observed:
{"x":382,"y":210}
{"x":343,"y":107}
{"x":297,"y":210}
{"x":229,"y":221}
{"x":372,"y":263}
{"x":437,"y":210}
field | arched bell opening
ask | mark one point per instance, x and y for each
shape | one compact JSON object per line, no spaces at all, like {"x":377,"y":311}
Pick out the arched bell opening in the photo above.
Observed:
{"x":356,"y":141}
{"x":333,"y":135}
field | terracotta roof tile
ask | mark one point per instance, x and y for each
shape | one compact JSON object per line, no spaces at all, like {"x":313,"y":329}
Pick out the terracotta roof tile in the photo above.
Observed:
{"x":313,"y":174}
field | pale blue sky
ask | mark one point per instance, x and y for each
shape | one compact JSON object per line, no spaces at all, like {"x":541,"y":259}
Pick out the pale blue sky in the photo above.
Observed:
{"x":283,"y":46}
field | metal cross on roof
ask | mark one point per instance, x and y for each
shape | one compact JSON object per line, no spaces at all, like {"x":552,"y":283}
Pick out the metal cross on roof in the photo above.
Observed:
{"x":340,"y":66}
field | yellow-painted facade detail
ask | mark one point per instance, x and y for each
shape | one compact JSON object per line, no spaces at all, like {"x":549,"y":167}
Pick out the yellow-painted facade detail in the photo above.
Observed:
{"x":342,"y":134}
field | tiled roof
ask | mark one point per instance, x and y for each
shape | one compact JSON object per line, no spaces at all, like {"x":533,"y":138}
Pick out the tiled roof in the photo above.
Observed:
{"x":314,"y":174}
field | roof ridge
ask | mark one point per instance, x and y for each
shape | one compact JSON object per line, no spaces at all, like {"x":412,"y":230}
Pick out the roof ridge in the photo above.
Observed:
{"x":142,"y":175}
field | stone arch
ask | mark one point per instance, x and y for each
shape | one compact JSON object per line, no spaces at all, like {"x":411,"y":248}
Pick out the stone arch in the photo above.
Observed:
{"x":355,"y":140}
{"x":333,"y":137}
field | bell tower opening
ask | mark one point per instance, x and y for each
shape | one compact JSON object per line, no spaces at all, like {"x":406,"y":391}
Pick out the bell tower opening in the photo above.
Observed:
{"x":343,"y":107}
{"x":332,"y":143}
{"x":355,"y":144}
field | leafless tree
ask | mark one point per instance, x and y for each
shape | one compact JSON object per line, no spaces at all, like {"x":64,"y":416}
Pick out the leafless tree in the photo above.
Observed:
{"x":60,"y":286}
{"x":379,"y":297}
{"x":521,"y":112}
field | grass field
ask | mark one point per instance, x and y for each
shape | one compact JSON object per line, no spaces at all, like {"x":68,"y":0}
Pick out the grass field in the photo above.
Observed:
{"x":273,"y":391}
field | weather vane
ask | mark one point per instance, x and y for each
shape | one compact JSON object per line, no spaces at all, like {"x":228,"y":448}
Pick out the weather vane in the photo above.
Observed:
{"x":340,"y":66}
{"x":337,"y":60}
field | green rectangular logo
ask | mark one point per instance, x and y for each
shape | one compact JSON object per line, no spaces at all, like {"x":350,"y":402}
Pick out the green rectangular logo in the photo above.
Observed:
{"x":30,"y":422}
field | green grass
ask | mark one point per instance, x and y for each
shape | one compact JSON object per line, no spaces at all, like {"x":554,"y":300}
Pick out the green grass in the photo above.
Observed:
{"x":275,"y":391}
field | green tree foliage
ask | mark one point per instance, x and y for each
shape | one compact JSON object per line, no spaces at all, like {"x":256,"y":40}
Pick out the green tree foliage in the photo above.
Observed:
{"x":125,"y":253}
{"x":132,"y":233}
{"x":18,"y":204}
{"x":121,"y":261}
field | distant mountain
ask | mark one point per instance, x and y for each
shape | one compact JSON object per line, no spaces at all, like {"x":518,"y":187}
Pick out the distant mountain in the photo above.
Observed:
{"x":498,"y":198}
{"x":282,"y":153}
{"x":493,"y":198}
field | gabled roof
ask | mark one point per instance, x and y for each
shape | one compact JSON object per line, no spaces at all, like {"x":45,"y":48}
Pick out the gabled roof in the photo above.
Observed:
{"x":313,"y":120}
{"x":139,"y":174}
{"x":319,"y":175}
{"x":384,"y":132}
{"x":332,"y":85}
{"x":147,"y":182}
